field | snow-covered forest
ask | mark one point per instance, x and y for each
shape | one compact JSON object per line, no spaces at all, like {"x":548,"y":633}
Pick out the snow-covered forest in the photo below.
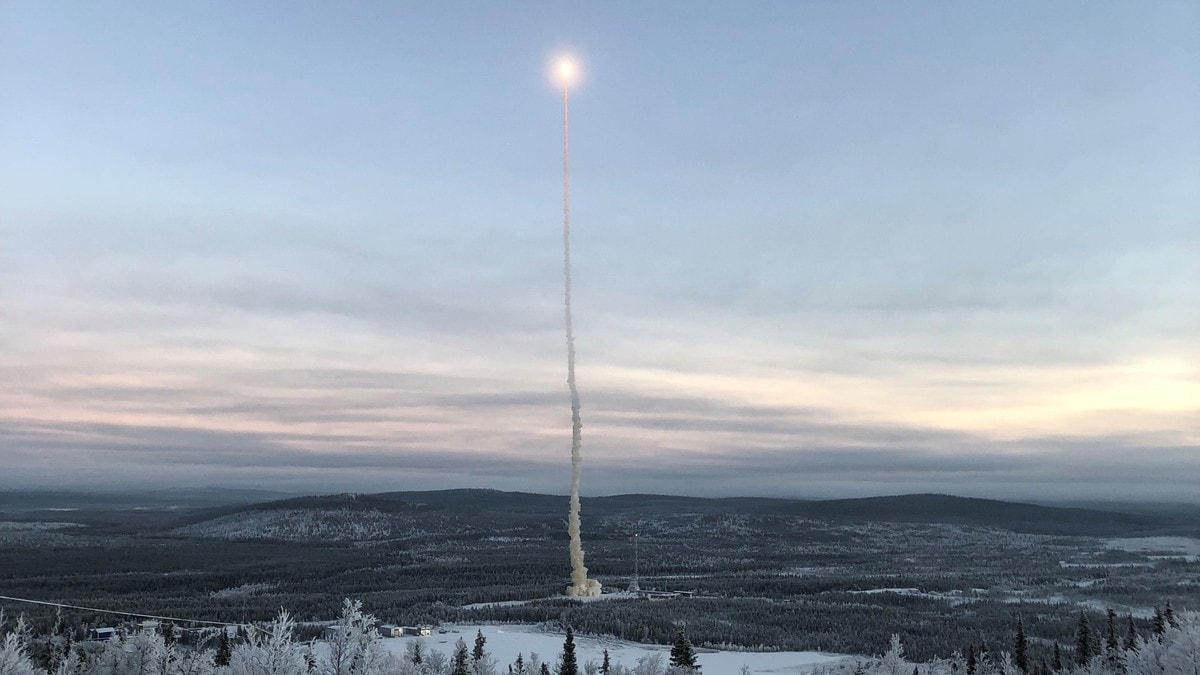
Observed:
{"x":354,"y":646}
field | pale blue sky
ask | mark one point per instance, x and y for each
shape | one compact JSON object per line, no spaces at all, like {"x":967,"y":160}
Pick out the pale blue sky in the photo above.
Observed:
{"x":820,"y":247}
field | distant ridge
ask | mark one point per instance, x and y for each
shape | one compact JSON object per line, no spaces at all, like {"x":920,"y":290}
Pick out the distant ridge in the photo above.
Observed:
{"x":401,"y":514}
{"x":487,"y":508}
{"x":949,"y":509}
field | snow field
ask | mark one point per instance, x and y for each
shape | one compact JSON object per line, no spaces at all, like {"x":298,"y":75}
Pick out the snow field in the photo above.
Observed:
{"x":505,"y":641}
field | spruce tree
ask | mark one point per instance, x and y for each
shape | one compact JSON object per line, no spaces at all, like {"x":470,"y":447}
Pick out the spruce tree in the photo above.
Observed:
{"x":605,"y":665}
{"x":972,"y":664}
{"x":477,"y":651}
{"x":1057,"y":664}
{"x":460,"y":666}
{"x":1160,"y":624}
{"x":545,"y":669}
{"x":682,"y":653}
{"x":1169,"y":616}
{"x":1021,"y":647}
{"x":1131,"y":636}
{"x":53,"y":655}
{"x":568,"y":665}
{"x":224,"y":651}
{"x":1112,"y":646}
{"x":1083,"y":641}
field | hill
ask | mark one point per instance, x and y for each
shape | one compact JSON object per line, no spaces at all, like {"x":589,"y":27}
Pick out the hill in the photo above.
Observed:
{"x":404,"y":515}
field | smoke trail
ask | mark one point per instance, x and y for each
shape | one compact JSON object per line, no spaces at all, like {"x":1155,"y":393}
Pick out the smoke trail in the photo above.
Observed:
{"x":580,"y":586}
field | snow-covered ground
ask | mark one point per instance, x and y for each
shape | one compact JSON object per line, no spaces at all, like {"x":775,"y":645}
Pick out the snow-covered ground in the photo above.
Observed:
{"x":614,"y":595}
{"x":505,"y":641}
{"x":1185,"y":547}
{"x":34,"y":526}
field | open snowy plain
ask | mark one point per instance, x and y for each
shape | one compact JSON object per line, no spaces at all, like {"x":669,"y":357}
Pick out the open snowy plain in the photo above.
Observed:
{"x":505,"y":641}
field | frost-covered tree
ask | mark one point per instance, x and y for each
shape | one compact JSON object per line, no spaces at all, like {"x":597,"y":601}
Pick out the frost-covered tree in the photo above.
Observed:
{"x":650,"y":664}
{"x":893,"y":659}
{"x":191,"y":662}
{"x":269,"y":651}
{"x":140,"y":654}
{"x":413,"y":653}
{"x":435,"y":663}
{"x":1175,"y":652}
{"x":355,"y":646}
{"x":14,"y":649}
{"x":461,"y":657}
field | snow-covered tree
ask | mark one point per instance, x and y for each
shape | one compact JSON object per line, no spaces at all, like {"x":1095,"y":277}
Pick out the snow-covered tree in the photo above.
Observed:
{"x":141,"y":654}
{"x":414,"y":653}
{"x":535,"y":663}
{"x":192,"y":662}
{"x":893,"y":660}
{"x":1175,"y":652}
{"x":435,"y":663}
{"x":1006,"y":666}
{"x":355,"y":646}
{"x":14,"y":649}
{"x":269,"y":651}
{"x":460,"y":660}
{"x":651,"y":664}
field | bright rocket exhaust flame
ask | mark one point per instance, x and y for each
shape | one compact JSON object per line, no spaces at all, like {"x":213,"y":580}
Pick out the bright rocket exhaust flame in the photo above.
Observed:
{"x":581,"y":586}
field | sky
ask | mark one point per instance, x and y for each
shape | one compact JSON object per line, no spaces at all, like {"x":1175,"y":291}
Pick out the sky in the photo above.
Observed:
{"x":820,"y":248}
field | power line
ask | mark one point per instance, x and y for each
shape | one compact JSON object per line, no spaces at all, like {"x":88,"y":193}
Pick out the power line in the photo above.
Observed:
{"x":122,"y":613}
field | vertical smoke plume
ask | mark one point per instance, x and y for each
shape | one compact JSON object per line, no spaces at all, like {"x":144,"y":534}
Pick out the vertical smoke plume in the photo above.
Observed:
{"x":580,"y":586}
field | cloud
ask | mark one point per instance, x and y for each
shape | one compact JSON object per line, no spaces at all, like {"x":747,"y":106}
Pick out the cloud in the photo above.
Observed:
{"x":738,"y":449}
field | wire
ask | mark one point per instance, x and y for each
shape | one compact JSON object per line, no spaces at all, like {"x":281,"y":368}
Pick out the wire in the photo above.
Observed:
{"x":121,"y":613}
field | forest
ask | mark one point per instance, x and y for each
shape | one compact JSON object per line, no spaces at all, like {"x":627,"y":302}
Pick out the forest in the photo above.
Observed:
{"x":353,"y":645}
